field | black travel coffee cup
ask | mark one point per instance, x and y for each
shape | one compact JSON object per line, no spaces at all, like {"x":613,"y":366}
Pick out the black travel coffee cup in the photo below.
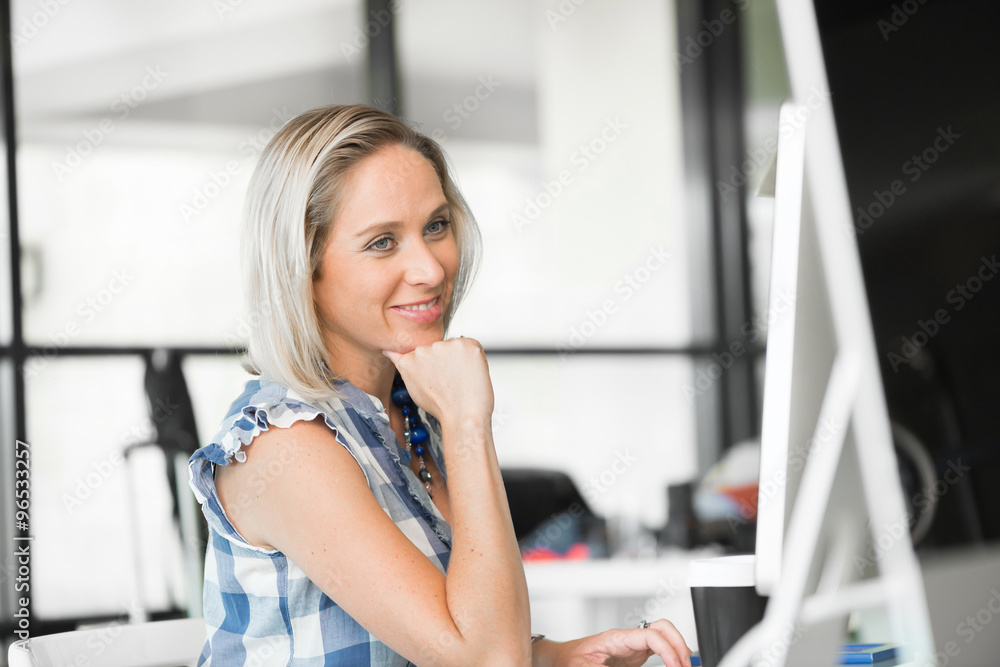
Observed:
{"x":726,"y":604}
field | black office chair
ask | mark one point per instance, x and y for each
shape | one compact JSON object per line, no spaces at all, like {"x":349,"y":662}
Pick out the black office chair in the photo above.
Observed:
{"x":548,"y":510}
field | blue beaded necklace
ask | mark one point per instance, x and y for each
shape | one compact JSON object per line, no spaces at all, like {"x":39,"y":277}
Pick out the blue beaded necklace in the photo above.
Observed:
{"x":414,"y":432}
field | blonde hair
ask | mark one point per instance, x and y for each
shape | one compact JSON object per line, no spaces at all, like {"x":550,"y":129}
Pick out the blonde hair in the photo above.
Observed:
{"x":291,"y":204}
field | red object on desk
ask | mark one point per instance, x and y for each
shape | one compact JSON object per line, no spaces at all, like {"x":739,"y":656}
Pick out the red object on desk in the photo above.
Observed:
{"x":578,"y":551}
{"x":745,"y":497}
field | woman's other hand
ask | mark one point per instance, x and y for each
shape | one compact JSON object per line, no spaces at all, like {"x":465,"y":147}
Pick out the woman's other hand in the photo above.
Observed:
{"x":628,"y":648}
{"x":449,"y":379}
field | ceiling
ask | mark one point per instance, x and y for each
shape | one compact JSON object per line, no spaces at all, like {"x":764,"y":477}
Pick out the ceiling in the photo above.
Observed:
{"x":232,"y":61}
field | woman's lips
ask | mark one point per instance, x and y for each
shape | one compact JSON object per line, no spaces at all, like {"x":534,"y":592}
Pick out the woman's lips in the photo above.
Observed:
{"x":427,"y":312}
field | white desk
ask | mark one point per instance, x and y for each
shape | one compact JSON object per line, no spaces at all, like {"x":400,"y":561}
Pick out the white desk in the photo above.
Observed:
{"x":572,"y":599}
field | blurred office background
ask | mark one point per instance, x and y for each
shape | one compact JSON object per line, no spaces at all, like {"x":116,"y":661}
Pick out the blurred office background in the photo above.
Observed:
{"x":611,"y":152}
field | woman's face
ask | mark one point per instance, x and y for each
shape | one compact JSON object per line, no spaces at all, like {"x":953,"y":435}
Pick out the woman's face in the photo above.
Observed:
{"x":389,"y":266}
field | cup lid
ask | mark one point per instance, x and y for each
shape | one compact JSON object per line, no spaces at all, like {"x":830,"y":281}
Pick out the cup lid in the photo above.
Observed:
{"x":724,"y":571}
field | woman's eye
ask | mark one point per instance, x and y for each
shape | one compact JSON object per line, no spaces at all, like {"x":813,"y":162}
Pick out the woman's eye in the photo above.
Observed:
{"x":381,"y":244}
{"x":437,"y":226}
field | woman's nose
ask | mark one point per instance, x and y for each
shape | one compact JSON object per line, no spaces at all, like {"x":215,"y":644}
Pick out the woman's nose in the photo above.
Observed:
{"x":422,"y":265}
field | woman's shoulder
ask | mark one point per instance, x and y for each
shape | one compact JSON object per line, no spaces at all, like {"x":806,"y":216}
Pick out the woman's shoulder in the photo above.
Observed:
{"x":261,"y":407}
{"x":262,"y":403}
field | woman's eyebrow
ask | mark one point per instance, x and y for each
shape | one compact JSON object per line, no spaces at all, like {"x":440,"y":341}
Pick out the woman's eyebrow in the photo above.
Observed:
{"x":378,"y":228}
{"x":383,"y":227}
{"x":440,"y":209}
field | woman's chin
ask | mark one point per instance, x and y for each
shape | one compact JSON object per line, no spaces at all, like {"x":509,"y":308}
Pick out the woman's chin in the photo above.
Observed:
{"x":407,"y":344}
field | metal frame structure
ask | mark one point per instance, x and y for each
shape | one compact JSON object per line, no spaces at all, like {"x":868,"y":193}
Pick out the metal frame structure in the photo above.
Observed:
{"x":713,"y":108}
{"x":13,"y":353}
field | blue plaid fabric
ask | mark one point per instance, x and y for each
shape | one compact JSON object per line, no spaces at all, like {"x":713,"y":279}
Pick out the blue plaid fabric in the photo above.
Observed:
{"x":260,"y":608}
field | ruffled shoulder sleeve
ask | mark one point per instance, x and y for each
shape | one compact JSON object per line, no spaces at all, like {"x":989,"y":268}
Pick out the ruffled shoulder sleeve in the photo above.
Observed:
{"x":262,"y":404}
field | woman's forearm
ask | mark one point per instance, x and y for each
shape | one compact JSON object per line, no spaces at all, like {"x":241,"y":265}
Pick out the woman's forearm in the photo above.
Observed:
{"x":545,"y":653}
{"x":485,"y":587}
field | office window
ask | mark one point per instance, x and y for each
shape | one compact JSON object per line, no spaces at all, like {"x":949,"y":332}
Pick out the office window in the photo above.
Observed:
{"x":565,"y":133}
{"x":140,"y":124}
{"x":95,"y":516}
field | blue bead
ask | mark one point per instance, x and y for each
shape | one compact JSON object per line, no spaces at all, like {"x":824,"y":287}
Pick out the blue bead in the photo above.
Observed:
{"x":406,"y":412}
{"x":400,"y":396}
{"x":419,"y":435}
{"x":419,"y":451}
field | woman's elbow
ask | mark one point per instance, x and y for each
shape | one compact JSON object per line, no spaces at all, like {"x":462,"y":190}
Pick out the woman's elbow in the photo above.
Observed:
{"x":495,"y":655}
{"x":509,"y":655}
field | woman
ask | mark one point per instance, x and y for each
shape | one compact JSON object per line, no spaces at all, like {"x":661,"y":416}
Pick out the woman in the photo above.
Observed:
{"x":337,"y":505}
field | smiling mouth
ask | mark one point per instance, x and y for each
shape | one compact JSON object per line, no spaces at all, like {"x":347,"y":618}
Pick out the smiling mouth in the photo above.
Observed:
{"x":424,"y":306}
{"x":421,"y":313}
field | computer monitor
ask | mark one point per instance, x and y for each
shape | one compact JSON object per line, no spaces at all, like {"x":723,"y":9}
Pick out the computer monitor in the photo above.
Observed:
{"x":800,"y":350}
{"x":833,"y":535}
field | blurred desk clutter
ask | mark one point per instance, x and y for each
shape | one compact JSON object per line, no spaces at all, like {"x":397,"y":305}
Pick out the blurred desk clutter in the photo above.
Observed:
{"x":553,"y":521}
{"x":587,"y":573}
